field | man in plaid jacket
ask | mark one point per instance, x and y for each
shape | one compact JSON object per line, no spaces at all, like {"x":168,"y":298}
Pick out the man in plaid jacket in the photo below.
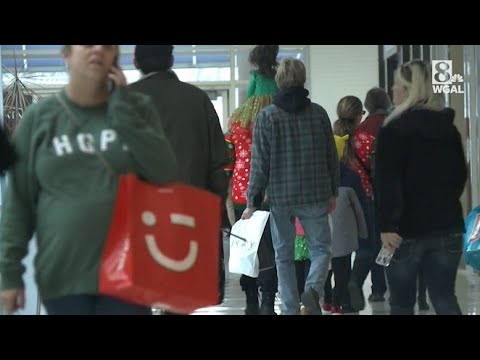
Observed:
{"x":294,"y":161}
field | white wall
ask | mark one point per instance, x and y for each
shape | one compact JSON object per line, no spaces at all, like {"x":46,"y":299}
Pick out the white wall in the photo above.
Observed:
{"x":340,"y":70}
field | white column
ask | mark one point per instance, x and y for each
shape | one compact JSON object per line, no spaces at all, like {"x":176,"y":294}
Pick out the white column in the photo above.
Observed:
{"x":2,"y":181}
{"x":472,"y":98}
{"x":243,"y":72}
{"x":440,"y":52}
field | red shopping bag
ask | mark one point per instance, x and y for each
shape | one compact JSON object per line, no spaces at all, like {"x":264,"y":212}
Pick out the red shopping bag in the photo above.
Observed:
{"x":163,"y":246}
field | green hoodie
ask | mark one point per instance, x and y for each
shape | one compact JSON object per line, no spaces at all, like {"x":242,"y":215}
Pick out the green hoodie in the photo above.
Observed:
{"x":61,"y":191}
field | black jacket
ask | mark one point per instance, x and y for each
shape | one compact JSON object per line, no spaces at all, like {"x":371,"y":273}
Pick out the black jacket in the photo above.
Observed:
{"x":350,"y":178}
{"x":192,"y":126}
{"x":420,"y":174}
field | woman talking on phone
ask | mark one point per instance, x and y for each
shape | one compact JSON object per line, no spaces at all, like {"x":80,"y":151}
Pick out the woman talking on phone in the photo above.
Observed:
{"x":60,"y":191}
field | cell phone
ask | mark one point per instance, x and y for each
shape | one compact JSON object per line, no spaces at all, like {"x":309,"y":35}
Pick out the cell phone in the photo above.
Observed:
{"x":110,"y":83}
{"x":384,"y":257}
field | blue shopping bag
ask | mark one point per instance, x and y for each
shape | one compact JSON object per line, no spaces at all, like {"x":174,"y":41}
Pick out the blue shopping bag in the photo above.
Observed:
{"x":471,"y":239}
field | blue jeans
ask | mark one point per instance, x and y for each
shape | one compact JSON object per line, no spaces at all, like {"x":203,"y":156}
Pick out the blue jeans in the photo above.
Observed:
{"x":92,"y":305}
{"x":437,"y":257}
{"x":314,"y":221}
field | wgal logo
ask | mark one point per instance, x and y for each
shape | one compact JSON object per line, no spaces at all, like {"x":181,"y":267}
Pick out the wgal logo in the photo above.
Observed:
{"x":443,"y":80}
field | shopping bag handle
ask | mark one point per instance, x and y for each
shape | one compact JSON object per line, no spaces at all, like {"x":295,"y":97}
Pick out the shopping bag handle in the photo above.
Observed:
{"x":229,"y":233}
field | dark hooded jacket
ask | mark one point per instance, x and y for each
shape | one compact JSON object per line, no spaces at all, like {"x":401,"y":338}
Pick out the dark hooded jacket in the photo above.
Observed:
{"x":192,"y":127}
{"x":421,"y":174}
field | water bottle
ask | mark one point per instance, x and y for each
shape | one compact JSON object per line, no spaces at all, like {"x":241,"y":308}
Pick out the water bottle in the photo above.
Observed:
{"x":384,"y":256}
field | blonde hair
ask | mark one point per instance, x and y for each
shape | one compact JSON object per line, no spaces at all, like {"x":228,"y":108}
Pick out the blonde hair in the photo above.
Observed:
{"x":291,"y":73}
{"x":416,"y":77}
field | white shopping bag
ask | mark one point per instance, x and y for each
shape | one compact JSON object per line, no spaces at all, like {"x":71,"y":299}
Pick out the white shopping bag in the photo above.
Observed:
{"x":245,"y":237}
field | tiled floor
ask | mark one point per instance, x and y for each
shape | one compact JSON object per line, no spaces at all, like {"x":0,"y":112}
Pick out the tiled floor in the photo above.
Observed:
{"x":468,"y":292}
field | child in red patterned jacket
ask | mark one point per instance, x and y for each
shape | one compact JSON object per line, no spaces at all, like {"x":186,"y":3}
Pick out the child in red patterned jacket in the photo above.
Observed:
{"x":261,"y":90}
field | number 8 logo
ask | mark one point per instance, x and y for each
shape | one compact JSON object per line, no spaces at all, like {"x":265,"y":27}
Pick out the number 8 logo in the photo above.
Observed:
{"x":442,"y":72}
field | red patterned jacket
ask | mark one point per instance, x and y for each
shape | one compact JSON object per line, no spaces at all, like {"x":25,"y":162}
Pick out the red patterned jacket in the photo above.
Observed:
{"x":239,"y":145}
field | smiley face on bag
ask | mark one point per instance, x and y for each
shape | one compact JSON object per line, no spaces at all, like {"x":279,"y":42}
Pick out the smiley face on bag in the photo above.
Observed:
{"x":163,"y":246}
{"x":150,"y":220}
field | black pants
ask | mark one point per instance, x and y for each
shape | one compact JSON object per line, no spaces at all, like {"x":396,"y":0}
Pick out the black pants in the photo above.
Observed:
{"x":366,"y":254}
{"x":266,"y":281}
{"x":221,"y":285}
{"x":302,"y":268}
{"x":422,"y":286}
{"x":341,"y":268}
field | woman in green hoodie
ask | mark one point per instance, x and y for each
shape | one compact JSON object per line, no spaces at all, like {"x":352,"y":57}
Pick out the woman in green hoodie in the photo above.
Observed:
{"x":60,"y":191}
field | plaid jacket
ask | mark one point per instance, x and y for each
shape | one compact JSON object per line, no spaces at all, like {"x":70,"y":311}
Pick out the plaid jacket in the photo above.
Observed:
{"x":294,"y":158}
